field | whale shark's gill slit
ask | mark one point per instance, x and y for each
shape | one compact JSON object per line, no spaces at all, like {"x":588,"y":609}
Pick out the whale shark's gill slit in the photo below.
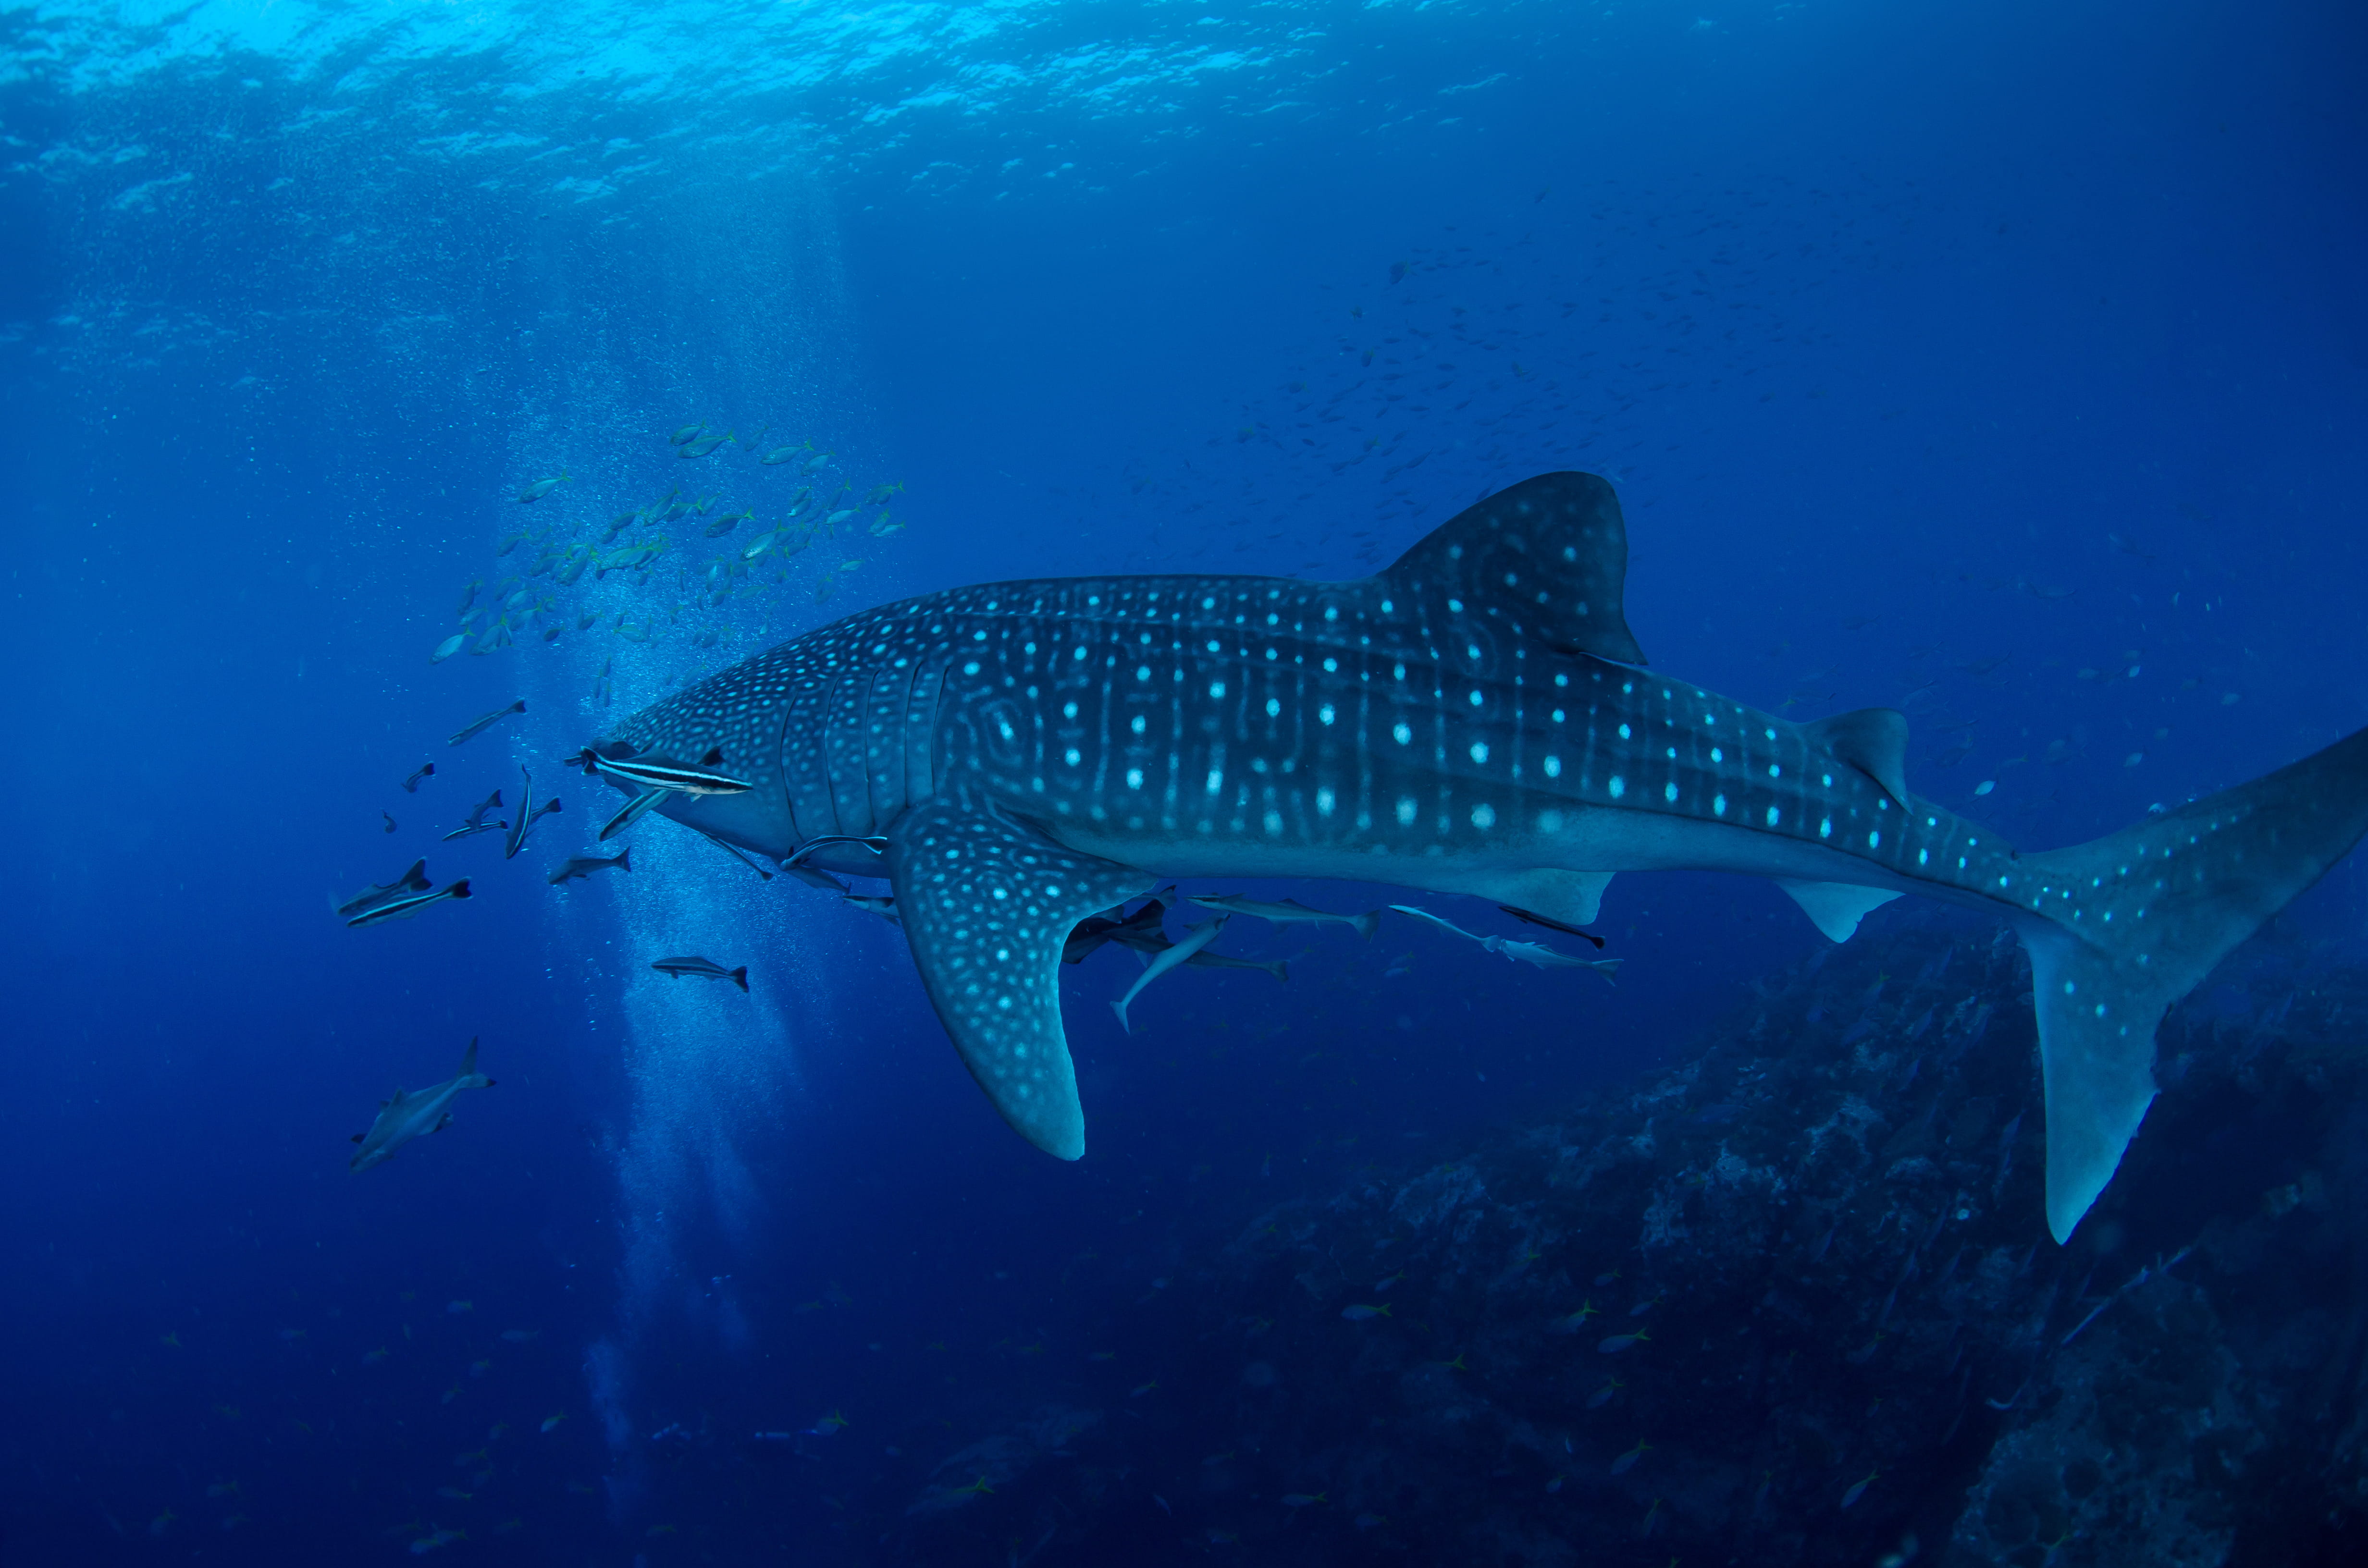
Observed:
{"x":805,"y":764}
{"x":891,"y":699}
{"x":923,"y":766}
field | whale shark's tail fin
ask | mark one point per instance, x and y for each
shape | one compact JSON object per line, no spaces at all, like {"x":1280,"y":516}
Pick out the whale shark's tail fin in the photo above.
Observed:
{"x":2122,"y":928}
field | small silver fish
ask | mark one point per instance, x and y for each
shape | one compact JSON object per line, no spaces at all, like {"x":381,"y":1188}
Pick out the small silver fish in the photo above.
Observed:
{"x":541,"y":488}
{"x":706,"y":969}
{"x":404,"y":908}
{"x":701,"y":445}
{"x":480,"y":727}
{"x":883,"y":907}
{"x":582,"y":865}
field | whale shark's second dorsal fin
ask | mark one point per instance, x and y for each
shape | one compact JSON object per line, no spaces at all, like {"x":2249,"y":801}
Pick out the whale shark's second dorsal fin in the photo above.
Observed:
{"x":1550,"y":554}
{"x":468,"y":1059}
{"x":1873,"y":740}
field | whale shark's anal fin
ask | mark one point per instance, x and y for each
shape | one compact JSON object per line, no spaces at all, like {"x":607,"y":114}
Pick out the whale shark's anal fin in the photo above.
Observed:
{"x":2122,"y":928}
{"x":988,"y":903}
{"x":1835,"y":908}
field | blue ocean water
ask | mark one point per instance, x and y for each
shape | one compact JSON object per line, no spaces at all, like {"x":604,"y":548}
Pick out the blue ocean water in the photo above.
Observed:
{"x":2004,"y":365}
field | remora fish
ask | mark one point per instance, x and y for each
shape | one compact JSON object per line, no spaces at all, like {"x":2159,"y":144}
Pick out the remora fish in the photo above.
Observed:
{"x":1536,"y":953}
{"x":706,"y":969}
{"x":1526,"y":918}
{"x":415,"y":1114}
{"x":1383,"y":739}
{"x":633,"y":812}
{"x":1139,"y":931}
{"x":1198,"y":937}
{"x":659,"y":773}
{"x":477,"y":822}
{"x":576,"y":865}
{"x":488,"y":721}
{"x":528,"y":814}
{"x":404,"y":908}
{"x":370,"y":898}
{"x":1290,"y":913}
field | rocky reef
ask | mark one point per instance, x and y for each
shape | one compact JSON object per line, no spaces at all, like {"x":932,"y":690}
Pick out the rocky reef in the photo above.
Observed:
{"x":1792,"y":1301}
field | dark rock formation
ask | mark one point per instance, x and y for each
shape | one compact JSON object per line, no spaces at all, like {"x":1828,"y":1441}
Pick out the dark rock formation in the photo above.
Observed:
{"x":1791,"y":1302}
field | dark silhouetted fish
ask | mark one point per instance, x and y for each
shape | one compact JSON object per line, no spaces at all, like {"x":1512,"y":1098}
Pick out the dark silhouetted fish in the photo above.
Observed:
{"x":404,"y":908}
{"x":415,"y":1114}
{"x":582,"y":865}
{"x":706,"y":969}
{"x":480,"y":727}
{"x":370,"y":898}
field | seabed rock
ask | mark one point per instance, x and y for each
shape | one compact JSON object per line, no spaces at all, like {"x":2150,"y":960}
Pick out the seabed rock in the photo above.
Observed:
{"x":1793,"y":1302}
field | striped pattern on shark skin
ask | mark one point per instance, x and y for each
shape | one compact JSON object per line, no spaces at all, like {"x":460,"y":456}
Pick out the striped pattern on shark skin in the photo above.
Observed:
{"x":1473,"y":719}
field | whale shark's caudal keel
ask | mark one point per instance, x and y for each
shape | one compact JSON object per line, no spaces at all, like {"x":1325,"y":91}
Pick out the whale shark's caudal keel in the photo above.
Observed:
{"x":1474,"y":720}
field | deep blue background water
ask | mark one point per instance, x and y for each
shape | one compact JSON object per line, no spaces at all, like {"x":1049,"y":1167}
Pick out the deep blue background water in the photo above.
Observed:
{"x":1887,"y":320}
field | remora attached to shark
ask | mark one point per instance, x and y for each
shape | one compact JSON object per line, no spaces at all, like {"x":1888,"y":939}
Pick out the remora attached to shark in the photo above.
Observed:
{"x":1473,"y":719}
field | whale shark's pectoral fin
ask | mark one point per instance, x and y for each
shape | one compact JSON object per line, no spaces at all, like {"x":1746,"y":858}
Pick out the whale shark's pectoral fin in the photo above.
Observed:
{"x":1836,"y":907}
{"x":987,"y":905}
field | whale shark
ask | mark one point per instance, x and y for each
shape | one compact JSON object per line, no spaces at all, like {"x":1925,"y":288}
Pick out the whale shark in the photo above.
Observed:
{"x":1476,"y":718}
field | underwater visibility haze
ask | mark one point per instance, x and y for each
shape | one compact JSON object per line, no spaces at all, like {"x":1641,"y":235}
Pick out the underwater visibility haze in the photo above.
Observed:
{"x":1062,"y":784}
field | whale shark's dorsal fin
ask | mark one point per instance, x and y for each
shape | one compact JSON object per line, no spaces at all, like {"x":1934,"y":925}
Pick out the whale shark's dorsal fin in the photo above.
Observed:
{"x":468,"y":1058}
{"x":1873,"y":741}
{"x":1550,"y":553}
{"x":988,"y":904}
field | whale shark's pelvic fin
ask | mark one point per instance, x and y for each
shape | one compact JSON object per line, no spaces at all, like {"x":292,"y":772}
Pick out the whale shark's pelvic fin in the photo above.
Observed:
{"x":2160,"y":903}
{"x":988,"y":903}
{"x":1550,"y":552}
